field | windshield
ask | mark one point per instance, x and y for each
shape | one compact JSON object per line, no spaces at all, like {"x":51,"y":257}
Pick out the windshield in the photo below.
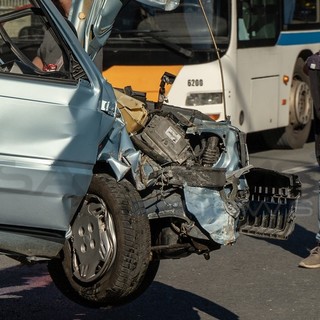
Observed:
{"x":179,"y":34}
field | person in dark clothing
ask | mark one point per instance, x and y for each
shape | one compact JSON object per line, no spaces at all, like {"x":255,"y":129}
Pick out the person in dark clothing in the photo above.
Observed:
{"x":312,"y":69}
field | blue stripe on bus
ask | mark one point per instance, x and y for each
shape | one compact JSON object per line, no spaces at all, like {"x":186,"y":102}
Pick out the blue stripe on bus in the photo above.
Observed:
{"x":294,"y":38}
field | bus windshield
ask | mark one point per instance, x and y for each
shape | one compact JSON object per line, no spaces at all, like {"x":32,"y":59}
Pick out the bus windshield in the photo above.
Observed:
{"x":178,"y":36}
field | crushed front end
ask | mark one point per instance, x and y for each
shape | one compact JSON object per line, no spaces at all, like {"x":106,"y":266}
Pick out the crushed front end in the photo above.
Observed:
{"x":196,"y":182}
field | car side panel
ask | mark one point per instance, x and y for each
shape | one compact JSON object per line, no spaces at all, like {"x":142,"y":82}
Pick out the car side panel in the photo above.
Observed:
{"x":49,"y":139}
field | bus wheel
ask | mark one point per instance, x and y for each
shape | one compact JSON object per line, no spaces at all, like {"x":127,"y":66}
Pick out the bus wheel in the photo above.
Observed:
{"x":297,"y":132}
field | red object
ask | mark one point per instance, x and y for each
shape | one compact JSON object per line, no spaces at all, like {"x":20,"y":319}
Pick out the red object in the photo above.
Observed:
{"x":50,"y":67}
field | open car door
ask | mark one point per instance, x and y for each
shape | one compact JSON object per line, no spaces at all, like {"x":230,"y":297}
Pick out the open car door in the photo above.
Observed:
{"x":50,"y":129}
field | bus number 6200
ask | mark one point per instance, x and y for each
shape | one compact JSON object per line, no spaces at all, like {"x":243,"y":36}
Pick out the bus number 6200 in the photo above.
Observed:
{"x":195,"y":82}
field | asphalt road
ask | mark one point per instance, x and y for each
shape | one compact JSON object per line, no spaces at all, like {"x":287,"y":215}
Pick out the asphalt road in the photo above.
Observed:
{"x":253,"y":280}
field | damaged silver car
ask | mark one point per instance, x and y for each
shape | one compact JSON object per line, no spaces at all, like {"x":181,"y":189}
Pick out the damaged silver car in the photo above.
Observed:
{"x":102,"y":185}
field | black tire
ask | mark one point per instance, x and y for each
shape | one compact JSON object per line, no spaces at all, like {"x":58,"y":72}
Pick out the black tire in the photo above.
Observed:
{"x":296,"y":134}
{"x":96,"y":279}
{"x":146,"y":282}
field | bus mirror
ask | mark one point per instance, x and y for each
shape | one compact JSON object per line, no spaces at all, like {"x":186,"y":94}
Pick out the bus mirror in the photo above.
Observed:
{"x":167,"y":5}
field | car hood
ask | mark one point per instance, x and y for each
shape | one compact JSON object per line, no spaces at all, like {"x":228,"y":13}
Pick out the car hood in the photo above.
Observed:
{"x":93,"y":19}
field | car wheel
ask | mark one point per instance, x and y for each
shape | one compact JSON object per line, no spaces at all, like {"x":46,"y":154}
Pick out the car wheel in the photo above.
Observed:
{"x":105,"y":260}
{"x":146,"y":282}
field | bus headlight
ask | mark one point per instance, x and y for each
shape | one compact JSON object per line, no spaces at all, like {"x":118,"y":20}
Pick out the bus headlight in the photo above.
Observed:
{"x":203,"y":98}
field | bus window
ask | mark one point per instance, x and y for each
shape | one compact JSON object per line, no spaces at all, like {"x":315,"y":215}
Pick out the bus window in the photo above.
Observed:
{"x":301,"y":15}
{"x":179,"y":37}
{"x":304,"y":12}
{"x":258,"y":20}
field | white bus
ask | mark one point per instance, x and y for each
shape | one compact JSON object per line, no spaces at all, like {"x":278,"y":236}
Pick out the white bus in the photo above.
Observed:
{"x":254,"y":77}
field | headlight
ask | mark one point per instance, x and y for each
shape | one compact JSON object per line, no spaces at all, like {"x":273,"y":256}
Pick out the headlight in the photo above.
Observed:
{"x":200,"y":99}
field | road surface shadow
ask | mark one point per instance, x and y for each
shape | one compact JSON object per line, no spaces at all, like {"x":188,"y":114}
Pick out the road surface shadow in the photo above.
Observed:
{"x":299,"y":243}
{"x":26,"y":292}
